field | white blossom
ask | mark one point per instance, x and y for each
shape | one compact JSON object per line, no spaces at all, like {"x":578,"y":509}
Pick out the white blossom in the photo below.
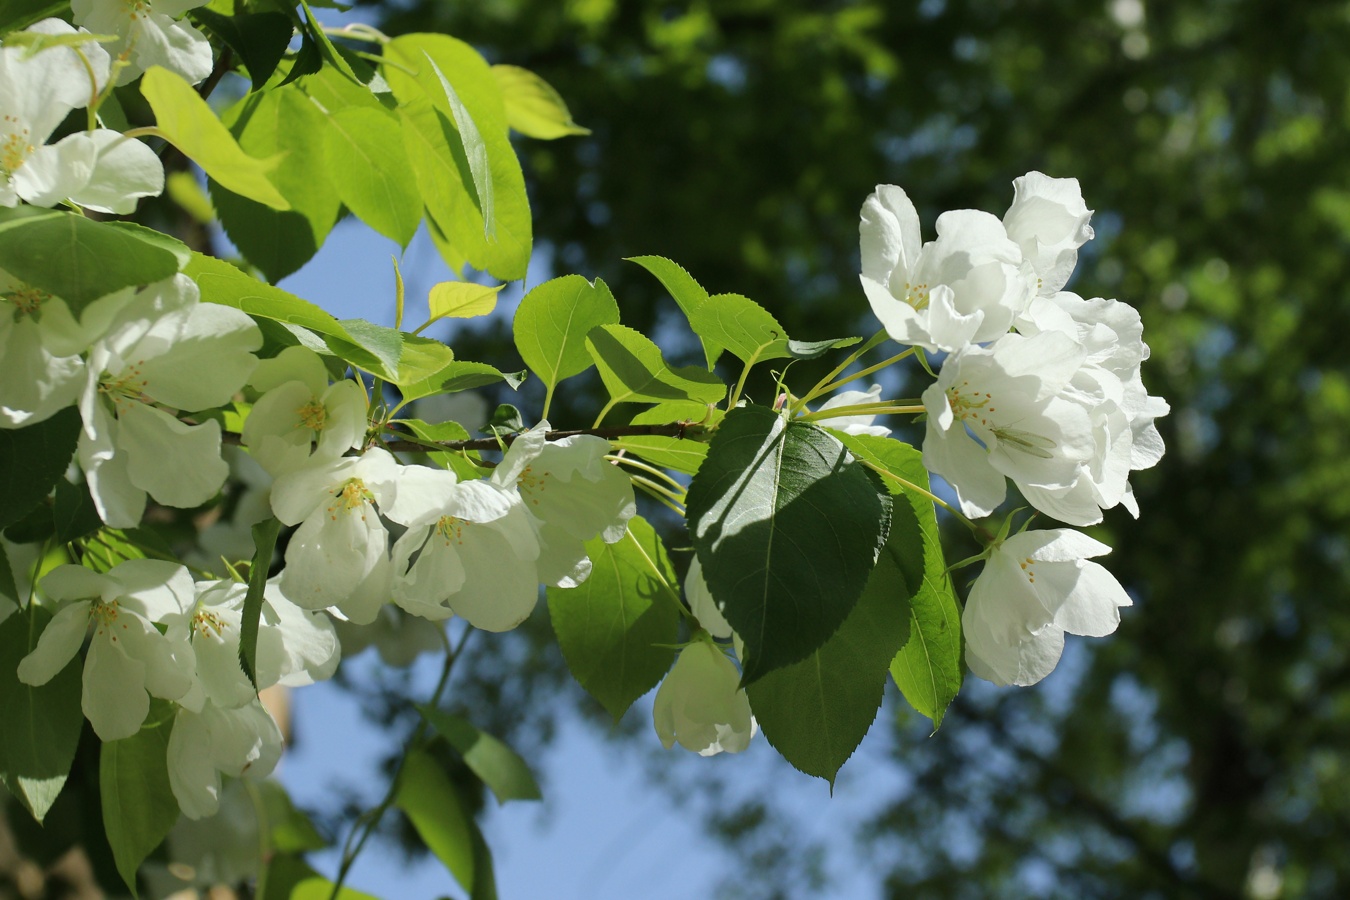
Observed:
{"x":701,"y":602}
{"x":166,"y":351}
{"x":339,"y":556}
{"x":205,"y":744}
{"x":856,"y":423}
{"x":470,"y":550}
{"x":300,"y":412}
{"x":129,"y":660}
{"x":700,"y":705}
{"x":1035,"y":587}
{"x":1049,"y":221}
{"x":150,"y":33}
{"x":573,"y":493}
{"x":999,"y":411}
{"x":964,"y":287}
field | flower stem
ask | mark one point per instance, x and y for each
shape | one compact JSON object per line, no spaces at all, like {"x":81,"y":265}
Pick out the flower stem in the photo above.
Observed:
{"x":834,"y":385}
{"x":978,"y":530}
{"x":650,"y":469}
{"x":853,"y":357}
{"x":884,"y":408}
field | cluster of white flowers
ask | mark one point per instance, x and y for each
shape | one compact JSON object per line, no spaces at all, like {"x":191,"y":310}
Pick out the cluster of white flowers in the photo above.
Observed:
{"x":42,"y":79}
{"x":157,"y":634}
{"x":1038,"y":385}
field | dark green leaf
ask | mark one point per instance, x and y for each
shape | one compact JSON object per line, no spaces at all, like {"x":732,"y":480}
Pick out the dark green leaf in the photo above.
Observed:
{"x":17,"y":14}
{"x":816,"y":712}
{"x":928,"y":667}
{"x":259,"y":40}
{"x":787,"y":525}
{"x":73,"y":511}
{"x":41,"y":724}
{"x":138,"y":805}
{"x":553,"y":320}
{"x":80,"y":260}
{"x":264,"y":544}
{"x":497,"y":765}
{"x":505,"y":419}
{"x":32,"y":460}
{"x":460,"y":376}
{"x":616,"y":627}
{"x":327,"y":51}
{"x":308,"y":61}
{"x":686,"y":292}
{"x":634,"y":370}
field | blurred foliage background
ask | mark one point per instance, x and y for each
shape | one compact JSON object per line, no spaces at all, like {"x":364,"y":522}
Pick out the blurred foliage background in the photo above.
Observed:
{"x":1204,"y":751}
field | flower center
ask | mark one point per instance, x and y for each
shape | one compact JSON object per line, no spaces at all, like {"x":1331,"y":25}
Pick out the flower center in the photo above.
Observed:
{"x":1028,"y":569}
{"x":531,"y":482}
{"x":27,"y":300}
{"x":205,"y":622}
{"x":967,"y":404}
{"x":974,"y":407}
{"x":916,"y":295}
{"x":104,"y":616}
{"x":15,"y":145}
{"x":351,"y":495}
{"x":313,"y":415}
{"x":451,"y":528}
{"x":127,"y":387}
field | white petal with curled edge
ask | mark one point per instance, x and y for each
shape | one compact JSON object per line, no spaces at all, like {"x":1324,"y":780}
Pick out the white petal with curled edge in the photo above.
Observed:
{"x":888,"y":233}
{"x":34,"y":384}
{"x":345,"y":419}
{"x":950,"y":329}
{"x":900,"y":320}
{"x":58,"y":644}
{"x":292,"y":364}
{"x":424,"y":587}
{"x":177,"y":46}
{"x":500,"y":585}
{"x":424,"y":495}
{"x":155,"y":588}
{"x":193,"y":779}
{"x":702,"y":604}
{"x":210,"y":359}
{"x":124,"y":171}
{"x":700,"y":704}
{"x":53,"y":172}
{"x":176,"y":463}
{"x":70,"y":582}
{"x":114,"y":698}
{"x":482,"y":501}
{"x":120,"y":503}
{"x":41,"y":89}
{"x":331,"y":555}
{"x":309,"y":646}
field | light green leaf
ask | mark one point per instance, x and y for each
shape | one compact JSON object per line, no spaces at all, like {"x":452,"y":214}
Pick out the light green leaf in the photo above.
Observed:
{"x":688,"y":294}
{"x":616,"y":627}
{"x":533,"y":107}
{"x":500,"y":768}
{"x":553,"y":320}
{"x":475,"y":149}
{"x":280,"y":121}
{"x":787,"y":525}
{"x":460,"y":462}
{"x":459,"y":375}
{"x":42,"y":724}
{"x":138,"y":805}
{"x":451,"y":197}
{"x":331,"y":56}
{"x":363,"y":149}
{"x":634,"y":370}
{"x":928,"y":667}
{"x":817,"y":711}
{"x":190,"y":125}
{"x":33,"y":459}
{"x":445,"y":823}
{"x":814,"y":349}
{"x":742,"y":326}
{"x":390,"y":354}
{"x":80,"y":260}
{"x":462,"y":299}
{"x":223,"y":283}
{"x":672,"y":453}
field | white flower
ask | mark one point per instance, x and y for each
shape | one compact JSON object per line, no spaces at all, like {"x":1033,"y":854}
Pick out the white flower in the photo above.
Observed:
{"x":299,"y":409}
{"x":700,"y":705}
{"x":470,"y":550}
{"x":702,"y":604}
{"x":128,"y":659}
{"x":339,"y":556}
{"x":1049,"y":221}
{"x":149,"y":35}
{"x":573,"y":493}
{"x":242,"y":741}
{"x":999,"y":411}
{"x":165,"y":350}
{"x":854,"y":424}
{"x":99,"y":169}
{"x":964,"y":287}
{"x":1036,"y":586}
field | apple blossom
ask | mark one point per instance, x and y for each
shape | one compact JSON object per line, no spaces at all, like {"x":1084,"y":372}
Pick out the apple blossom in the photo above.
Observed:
{"x":854,"y":424}
{"x":1035,"y":587}
{"x":964,"y":287}
{"x":150,"y":33}
{"x":128,"y":660}
{"x":700,"y":704}
{"x":702,"y":604}
{"x":300,"y":411}
{"x":238,"y":741}
{"x":1049,"y":221}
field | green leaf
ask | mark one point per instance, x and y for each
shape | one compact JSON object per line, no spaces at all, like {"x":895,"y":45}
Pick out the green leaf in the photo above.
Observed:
{"x":533,"y":107}
{"x":459,"y":375}
{"x":497,"y":765}
{"x":553,"y":320}
{"x":445,"y":823}
{"x":264,"y":545}
{"x":190,"y":125}
{"x":111,"y":547}
{"x":73,"y":511}
{"x":8,"y":590}
{"x":616,"y":628}
{"x":814,"y":349}
{"x":17,"y":14}
{"x":682,"y":455}
{"x":462,"y":299}
{"x":450,"y":194}
{"x":365,"y":158}
{"x":688,"y":294}
{"x":474,"y":147}
{"x":223,"y":283}
{"x":80,"y":260}
{"x":259,"y":40}
{"x":742,"y":326}
{"x":42,"y":724}
{"x":138,"y":805}
{"x":817,"y":711}
{"x":787,"y":525}
{"x":390,"y":354}
{"x":928,"y":667}
{"x":33,"y":459}
{"x":327,"y":51}
{"x":291,"y":878}
{"x":286,"y":122}
{"x":634,"y":370}
{"x":460,"y":462}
